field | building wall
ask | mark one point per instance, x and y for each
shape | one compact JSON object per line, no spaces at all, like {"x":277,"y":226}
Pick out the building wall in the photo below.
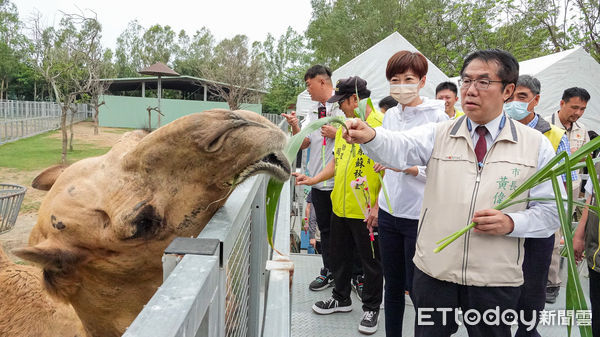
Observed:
{"x":130,"y":112}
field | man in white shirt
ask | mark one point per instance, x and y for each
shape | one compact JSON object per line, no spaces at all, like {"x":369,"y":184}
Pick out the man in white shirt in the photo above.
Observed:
{"x":320,"y":145}
{"x":473,"y":163}
{"x":572,"y":106}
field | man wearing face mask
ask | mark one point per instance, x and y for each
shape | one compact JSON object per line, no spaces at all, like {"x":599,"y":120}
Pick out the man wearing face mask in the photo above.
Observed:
{"x":406,"y":72}
{"x":537,"y":251}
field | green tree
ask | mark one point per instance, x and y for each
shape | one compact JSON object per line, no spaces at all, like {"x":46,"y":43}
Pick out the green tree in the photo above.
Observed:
{"x":285,"y":59}
{"x":62,"y":56}
{"x":11,"y":40}
{"x":239,"y":67}
{"x":194,"y":53}
{"x":128,"y":53}
{"x":340,"y":30}
{"x":158,"y":45}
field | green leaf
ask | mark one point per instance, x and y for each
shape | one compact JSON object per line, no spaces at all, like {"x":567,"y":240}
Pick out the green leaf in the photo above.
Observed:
{"x":292,"y":147}
{"x":294,"y":143}
{"x":273,"y":191}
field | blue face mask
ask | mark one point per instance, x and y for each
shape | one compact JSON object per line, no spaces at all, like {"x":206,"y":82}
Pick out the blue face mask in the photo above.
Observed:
{"x":516,"y":110}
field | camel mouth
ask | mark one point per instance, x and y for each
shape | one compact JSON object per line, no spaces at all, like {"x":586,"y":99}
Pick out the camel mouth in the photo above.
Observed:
{"x":274,"y":164}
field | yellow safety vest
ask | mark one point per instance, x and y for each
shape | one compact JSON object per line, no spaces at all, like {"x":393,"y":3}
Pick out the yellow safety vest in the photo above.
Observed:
{"x":351,"y":163}
{"x":554,"y":135}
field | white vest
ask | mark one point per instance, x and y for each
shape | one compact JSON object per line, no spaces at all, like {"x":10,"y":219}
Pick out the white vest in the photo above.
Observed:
{"x":456,"y":188}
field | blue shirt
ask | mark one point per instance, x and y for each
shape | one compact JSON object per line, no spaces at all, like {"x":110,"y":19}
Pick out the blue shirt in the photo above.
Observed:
{"x":562,"y":146}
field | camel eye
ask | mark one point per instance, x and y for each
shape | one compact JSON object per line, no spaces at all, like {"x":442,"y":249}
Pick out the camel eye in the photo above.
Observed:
{"x":147,"y":223}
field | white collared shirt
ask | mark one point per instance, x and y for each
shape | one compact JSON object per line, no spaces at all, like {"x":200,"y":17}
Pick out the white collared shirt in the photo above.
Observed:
{"x":415,"y":146}
{"x":315,"y":157}
{"x":404,"y":190}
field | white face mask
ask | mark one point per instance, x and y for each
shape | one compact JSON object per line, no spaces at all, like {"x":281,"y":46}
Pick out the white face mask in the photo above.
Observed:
{"x":404,"y":93}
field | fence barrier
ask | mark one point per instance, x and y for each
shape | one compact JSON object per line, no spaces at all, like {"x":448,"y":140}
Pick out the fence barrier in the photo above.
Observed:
{"x":22,"y":119}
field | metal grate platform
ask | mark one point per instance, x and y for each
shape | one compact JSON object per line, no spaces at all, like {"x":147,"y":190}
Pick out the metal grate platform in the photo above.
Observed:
{"x":307,"y":323}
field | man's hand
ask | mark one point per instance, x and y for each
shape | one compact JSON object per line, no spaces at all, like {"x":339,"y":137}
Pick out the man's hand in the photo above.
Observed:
{"x":492,"y":221}
{"x":313,"y":242}
{"x":373,"y":216}
{"x":328,"y":131}
{"x":378,"y":167}
{"x":413,"y":171}
{"x":302,"y":179}
{"x":291,"y":118}
{"x":358,"y":132}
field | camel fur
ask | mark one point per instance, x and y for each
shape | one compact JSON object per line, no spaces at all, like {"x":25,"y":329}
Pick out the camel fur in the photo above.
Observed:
{"x":105,"y":221}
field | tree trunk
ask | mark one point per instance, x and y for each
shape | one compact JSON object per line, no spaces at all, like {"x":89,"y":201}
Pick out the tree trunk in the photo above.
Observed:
{"x":96,"y":108}
{"x":64,"y":108}
{"x":63,"y":128}
{"x":34,"y":90}
{"x":71,"y":128}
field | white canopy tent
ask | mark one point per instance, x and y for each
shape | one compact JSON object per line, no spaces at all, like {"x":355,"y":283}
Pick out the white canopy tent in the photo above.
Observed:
{"x":370,"y":65}
{"x":563,"y":70}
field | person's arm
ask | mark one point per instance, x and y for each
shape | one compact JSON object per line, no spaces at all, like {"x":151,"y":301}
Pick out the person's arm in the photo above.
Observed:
{"x":417,"y":172}
{"x":539,"y":220}
{"x":372,"y":220}
{"x":325,"y":174}
{"x":398,"y":149}
{"x":579,"y":234}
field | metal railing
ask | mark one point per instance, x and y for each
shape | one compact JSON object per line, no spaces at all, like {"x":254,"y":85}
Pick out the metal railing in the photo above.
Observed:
{"x":11,"y":197}
{"x":22,"y":119}
{"x":229,"y":292}
{"x":274,"y":118}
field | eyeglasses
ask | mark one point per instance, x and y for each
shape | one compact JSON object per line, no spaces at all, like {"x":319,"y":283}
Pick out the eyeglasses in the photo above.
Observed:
{"x":482,"y":84}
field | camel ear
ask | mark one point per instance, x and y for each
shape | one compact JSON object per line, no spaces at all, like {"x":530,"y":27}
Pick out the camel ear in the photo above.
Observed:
{"x":46,"y":179}
{"x":49,"y":256}
{"x":59,"y":265}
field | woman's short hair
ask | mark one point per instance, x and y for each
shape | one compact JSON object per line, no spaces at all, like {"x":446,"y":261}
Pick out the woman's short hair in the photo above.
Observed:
{"x":405,"y":60}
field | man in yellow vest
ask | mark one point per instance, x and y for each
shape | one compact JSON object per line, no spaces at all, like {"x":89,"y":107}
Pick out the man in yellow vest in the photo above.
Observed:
{"x":538,"y":251}
{"x":572,"y":106}
{"x":352,"y":205}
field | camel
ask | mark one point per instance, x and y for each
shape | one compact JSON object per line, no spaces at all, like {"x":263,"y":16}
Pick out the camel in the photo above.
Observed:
{"x":105,"y":221}
{"x":26,"y":310}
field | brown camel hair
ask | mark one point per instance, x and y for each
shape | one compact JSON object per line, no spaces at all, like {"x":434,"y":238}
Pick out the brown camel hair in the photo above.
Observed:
{"x":105,"y":221}
{"x":26,"y":310}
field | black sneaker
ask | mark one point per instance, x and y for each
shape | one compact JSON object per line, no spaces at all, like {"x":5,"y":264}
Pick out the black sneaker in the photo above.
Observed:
{"x":332,"y":305}
{"x":322,"y":281}
{"x":368,"y":322}
{"x":357,"y":285}
{"x":552,"y":294}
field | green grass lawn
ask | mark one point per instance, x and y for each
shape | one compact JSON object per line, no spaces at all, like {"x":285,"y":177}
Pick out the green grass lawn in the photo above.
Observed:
{"x":42,"y":151}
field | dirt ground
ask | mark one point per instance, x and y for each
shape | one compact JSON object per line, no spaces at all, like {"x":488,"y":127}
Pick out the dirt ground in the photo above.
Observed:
{"x":19,"y":234}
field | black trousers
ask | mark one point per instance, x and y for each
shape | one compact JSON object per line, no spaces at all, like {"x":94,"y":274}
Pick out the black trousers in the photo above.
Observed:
{"x":536,"y":261}
{"x":321,"y":201}
{"x":348,"y":235}
{"x":595,"y":300}
{"x":436,"y":302}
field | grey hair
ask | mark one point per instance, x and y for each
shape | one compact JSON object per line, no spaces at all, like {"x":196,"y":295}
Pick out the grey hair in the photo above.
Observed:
{"x":531,"y":83}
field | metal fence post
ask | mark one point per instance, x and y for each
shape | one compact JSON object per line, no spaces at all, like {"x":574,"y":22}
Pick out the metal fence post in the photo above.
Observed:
{"x":258,"y":257}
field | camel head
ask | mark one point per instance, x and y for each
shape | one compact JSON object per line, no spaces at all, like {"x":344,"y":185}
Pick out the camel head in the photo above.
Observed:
{"x":105,"y":221}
